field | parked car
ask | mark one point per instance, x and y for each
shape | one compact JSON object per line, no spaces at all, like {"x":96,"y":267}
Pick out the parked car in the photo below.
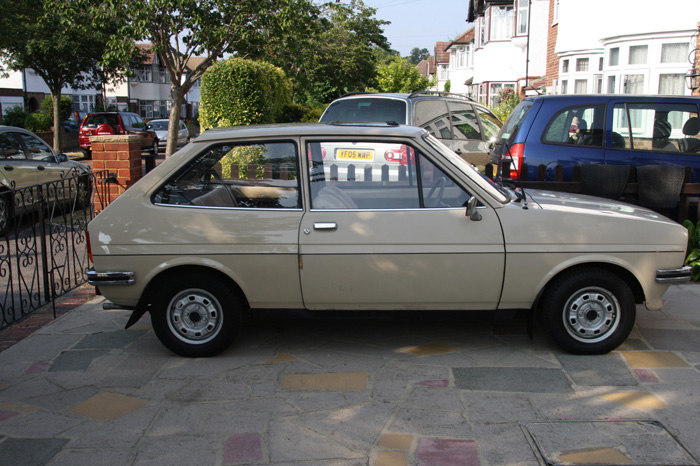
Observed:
{"x":161,"y":128}
{"x":26,"y":160}
{"x":459,"y":122}
{"x":571,"y":130}
{"x":116,"y":123}
{"x":197,"y":241}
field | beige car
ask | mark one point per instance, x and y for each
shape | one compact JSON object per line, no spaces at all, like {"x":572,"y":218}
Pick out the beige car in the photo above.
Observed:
{"x":250,"y":218}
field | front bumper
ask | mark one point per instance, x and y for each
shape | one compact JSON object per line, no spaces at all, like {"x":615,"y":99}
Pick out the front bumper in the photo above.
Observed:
{"x":110,"y":278}
{"x":679,"y":275}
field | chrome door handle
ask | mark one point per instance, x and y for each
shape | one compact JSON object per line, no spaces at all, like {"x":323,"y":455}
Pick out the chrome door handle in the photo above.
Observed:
{"x":325,"y":226}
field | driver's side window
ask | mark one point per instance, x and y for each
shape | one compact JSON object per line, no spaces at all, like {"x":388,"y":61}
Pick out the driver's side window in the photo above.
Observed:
{"x":259,"y":176}
{"x":371,"y":175}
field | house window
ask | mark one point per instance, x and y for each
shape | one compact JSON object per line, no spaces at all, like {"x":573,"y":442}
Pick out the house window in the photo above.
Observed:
{"x":638,"y":54}
{"x":565,"y":66}
{"x":564,"y":86}
{"x":614,"y":58}
{"x":523,"y":13}
{"x":495,"y":92}
{"x":582,"y":64}
{"x":83,"y":103}
{"x":580,"y":86}
{"x":674,"y":53}
{"x":633,"y":84}
{"x":600,"y":64}
{"x":502,"y":22}
{"x":672,"y":84}
{"x":154,"y":108}
{"x":144,"y":75}
{"x":598,"y":84}
{"x":612,"y":81}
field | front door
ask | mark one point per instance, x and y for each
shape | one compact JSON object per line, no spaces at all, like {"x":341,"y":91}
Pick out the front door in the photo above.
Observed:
{"x":400,"y":242}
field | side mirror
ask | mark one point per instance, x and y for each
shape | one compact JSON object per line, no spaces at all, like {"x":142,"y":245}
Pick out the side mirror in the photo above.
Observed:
{"x":61,"y":158}
{"x":472,"y":213}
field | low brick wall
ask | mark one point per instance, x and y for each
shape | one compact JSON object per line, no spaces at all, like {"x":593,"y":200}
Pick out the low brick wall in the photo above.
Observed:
{"x":121,"y":156}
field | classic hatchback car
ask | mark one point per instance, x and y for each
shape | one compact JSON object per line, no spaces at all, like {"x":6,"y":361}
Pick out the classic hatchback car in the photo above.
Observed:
{"x":247,"y":218}
{"x":461,"y":123}
{"x":116,"y":123}
{"x":26,"y":160}
{"x":571,"y":130}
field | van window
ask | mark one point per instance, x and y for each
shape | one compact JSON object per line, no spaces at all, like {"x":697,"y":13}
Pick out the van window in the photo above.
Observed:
{"x":580,"y":125}
{"x":514,"y":121}
{"x":366,"y":111}
{"x":655,"y":127}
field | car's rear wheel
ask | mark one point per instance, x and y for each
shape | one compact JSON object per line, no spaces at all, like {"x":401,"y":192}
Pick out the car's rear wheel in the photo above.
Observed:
{"x":6,"y":211}
{"x":154,"y":149}
{"x":589,"y":311}
{"x":87,"y":154}
{"x":195,"y":316}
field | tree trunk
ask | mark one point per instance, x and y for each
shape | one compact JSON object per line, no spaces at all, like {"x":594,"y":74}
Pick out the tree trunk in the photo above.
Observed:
{"x":177,"y":97}
{"x":56,"y":99}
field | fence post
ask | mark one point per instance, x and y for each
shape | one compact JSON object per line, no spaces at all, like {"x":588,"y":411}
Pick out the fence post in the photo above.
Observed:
{"x":120,"y":155}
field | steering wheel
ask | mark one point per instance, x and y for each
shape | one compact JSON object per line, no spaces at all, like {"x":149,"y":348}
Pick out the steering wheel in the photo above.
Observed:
{"x":223,"y":185}
{"x":433,"y":200}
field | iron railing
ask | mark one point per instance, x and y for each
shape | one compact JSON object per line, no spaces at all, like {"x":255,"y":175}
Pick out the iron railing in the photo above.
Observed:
{"x":43,"y":244}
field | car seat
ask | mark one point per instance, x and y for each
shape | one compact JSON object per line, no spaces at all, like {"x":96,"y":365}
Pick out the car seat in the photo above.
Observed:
{"x":662,"y":131}
{"x":331,"y":197}
{"x":690,"y":143}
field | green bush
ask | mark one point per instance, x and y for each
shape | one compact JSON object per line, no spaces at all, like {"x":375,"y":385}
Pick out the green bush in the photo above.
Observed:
{"x":507,"y":101}
{"x":693,"y":251}
{"x":37,"y":122}
{"x":298,"y":113}
{"x":15,"y":116}
{"x":66,"y":107}
{"x":242,"y":92}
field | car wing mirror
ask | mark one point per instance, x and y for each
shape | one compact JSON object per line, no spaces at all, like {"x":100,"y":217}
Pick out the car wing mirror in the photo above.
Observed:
{"x":472,"y":213}
{"x":61,"y":158}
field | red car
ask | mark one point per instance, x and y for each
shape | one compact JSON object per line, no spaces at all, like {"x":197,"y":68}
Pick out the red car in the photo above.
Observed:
{"x":102,"y":123}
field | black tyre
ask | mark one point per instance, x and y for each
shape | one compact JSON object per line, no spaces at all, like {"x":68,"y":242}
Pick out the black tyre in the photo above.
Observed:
{"x":87,"y":154}
{"x":154,"y":149}
{"x":589,"y":311}
{"x":195,"y":316}
{"x":83,"y":192}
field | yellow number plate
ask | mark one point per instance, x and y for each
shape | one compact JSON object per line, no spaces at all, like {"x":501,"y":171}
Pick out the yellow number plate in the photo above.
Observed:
{"x":355,"y":154}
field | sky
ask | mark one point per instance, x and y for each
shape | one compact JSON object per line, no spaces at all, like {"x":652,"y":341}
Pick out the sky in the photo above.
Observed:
{"x":421,"y":23}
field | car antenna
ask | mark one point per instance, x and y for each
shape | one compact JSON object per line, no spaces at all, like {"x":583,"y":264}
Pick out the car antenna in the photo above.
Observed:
{"x":518,"y":171}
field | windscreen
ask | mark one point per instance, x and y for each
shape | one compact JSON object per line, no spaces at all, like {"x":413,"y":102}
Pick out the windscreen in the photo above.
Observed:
{"x":365,"y":111}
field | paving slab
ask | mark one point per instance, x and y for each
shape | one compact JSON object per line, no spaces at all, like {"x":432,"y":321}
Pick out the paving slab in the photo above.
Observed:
{"x":316,"y":391}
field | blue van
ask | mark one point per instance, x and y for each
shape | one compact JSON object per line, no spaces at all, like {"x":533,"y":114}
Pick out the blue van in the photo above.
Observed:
{"x":572,"y":130}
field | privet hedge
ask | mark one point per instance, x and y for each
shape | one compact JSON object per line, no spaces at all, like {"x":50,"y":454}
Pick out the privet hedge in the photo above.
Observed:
{"x":242,"y":92}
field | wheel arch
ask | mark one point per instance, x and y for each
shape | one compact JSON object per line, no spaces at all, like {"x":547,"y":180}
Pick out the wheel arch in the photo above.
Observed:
{"x":145,"y":301}
{"x":625,"y":274}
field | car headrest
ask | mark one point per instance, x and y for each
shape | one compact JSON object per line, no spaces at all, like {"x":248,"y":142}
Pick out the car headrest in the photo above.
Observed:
{"x":691,"y":127}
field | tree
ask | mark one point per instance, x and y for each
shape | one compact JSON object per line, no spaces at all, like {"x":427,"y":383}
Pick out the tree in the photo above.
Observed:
{"x":401,"y":76}
{"x":417,"y":55}
{"x":60,"y":42}
{"x":179,"y":30}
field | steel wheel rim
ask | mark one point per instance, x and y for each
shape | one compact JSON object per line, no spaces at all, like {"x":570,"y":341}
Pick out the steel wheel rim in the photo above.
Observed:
{"x":195,"y":316}
{"x":591,"y":315}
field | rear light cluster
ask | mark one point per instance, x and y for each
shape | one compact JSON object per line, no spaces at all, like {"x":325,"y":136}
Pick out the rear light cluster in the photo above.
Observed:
{"x":323,"y":153}
{"x":515,"y":157}
{"x":398,"y":155}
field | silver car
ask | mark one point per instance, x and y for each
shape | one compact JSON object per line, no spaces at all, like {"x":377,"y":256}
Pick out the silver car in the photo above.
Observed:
{"x":26,"y":160}
{"x":249,"y":218}
{"x":161,"y":129}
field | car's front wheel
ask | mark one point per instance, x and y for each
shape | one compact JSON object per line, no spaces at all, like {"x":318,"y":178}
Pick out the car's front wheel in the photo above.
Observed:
{"x":6,"y":211}
{"x":589,"y":311}
{"x":195,"y":316}
{"x":154,"y":149}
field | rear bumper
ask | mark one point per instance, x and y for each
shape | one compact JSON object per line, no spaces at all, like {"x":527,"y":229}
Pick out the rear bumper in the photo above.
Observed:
{"x":110,"y":278}
{"x":679,"y":275}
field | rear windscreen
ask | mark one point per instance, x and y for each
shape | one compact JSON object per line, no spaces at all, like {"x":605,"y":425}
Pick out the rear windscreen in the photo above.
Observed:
{"x":97,"y":120}
{"x":513,"y":122}
{"x":366,"y":111}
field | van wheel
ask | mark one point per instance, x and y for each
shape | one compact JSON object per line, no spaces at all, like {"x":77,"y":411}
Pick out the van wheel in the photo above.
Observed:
{"x":589,"y":311}
{"x":195,"y":316}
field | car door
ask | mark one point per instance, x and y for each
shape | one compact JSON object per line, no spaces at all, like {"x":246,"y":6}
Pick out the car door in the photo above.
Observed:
{"x":16,"y":170}
{"x":396,"y":243}
{"x":42,"y":158}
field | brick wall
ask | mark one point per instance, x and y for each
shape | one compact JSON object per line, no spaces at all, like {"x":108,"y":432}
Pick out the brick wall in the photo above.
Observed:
{"x":552,"y":72}
{"x":120,"y":155}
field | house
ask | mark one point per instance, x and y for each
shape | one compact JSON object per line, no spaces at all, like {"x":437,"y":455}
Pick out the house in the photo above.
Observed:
{"x":558,"y":47}
{"x":147,"y":92}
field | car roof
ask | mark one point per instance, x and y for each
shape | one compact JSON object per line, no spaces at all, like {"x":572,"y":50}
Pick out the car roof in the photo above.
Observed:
{"x":607,"y":97}
{"x":311,"y":130}
{"x":408,"y":97}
